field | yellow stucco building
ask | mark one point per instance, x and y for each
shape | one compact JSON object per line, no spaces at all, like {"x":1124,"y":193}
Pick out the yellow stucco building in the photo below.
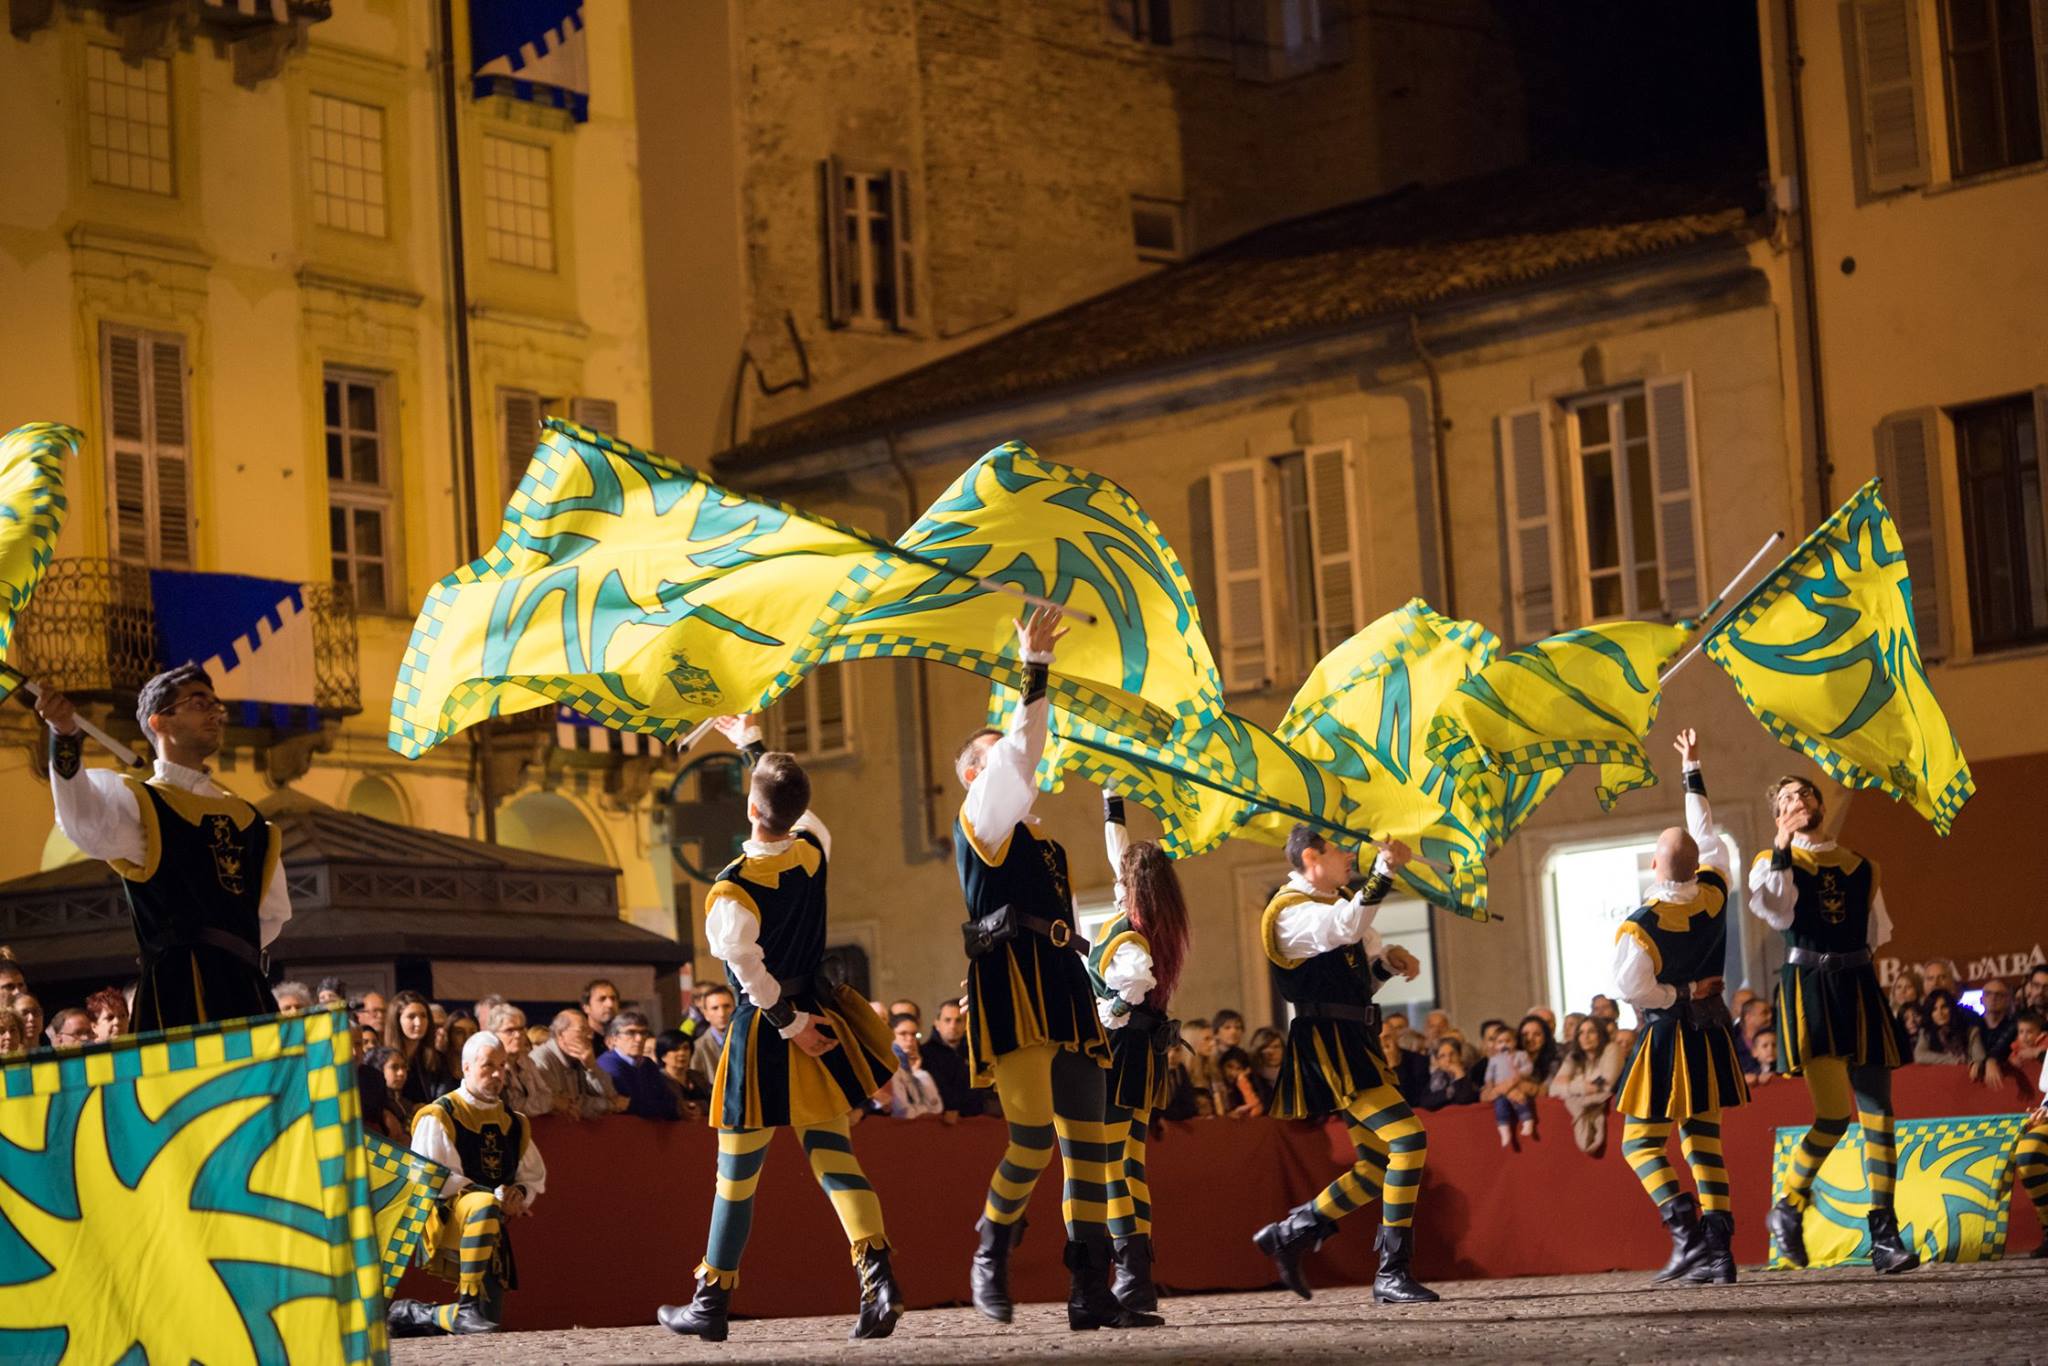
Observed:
{"x":227,"y":254}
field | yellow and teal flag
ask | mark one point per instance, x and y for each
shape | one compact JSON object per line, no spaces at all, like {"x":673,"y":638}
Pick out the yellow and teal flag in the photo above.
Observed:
{"x":403,"y":1189}
{"x":1587,"y":696}
{"x":1015,"y":518}
{"x":1823,"y":652}
{"x":32,"y":508}
{"x":630,"y":589}
{"x":199,"y":1195}
{"x":1953,"y":1195}
{"x":1364,"y":715}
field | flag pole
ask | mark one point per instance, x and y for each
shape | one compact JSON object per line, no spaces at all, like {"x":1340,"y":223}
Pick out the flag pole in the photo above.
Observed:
{"x":1715,"y":606}
{"x":107,"y":742}
{"x":1282,"y":808}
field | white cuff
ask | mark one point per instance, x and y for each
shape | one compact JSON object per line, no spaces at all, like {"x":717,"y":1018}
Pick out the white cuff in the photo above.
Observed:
{"x":1038,"y":656}
{"x":795,"y":1026}
{"x":750,"y":735}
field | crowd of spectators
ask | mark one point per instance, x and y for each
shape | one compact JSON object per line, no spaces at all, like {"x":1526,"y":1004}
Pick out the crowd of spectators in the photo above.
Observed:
{"x":602,"y":1056}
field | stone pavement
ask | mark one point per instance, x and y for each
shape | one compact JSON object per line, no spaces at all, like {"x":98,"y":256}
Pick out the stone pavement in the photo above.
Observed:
{"x":1992,"y":1312}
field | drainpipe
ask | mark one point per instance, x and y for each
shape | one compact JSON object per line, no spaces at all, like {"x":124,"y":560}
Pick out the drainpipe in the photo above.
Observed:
{"x":1823,"y":466}
{"x":936,"y":841}
{"x":464,"y":418}
{"x":1446,"y":587}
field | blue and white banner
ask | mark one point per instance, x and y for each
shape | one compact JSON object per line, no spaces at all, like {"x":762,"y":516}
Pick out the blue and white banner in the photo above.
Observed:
{"x":531,"y":50}
{"x":253,"y":636}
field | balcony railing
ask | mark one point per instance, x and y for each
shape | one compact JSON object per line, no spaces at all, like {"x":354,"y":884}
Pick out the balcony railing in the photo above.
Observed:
{"x":91,"y":631}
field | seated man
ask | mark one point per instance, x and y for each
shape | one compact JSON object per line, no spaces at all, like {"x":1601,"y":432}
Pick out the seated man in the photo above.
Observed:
{"x":634,"y":1077}
{"x":495,"y":1172}
{"x":579,"y":1087}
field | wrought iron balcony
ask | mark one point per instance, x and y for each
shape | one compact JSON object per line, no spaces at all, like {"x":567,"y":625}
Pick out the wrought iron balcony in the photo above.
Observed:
{"x":92,"y":631}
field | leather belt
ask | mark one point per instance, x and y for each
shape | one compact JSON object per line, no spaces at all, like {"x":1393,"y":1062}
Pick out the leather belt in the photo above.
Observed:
{"x":1369,"y":1016}
{"x":805,"y":984}
{"x":211,"y":938}
{"x":1058,"y":932}
{"x":1828,"y":962}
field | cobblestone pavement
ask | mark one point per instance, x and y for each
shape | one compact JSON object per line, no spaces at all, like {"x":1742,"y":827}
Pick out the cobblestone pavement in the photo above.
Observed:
{"x":1995,"y":1312}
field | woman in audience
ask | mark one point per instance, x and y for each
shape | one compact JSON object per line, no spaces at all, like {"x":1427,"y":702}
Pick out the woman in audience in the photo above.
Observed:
{"x":1585,"y":1081}
{"x":391,"y":1114}
{"x":1267,"y":1047}
{"x":409,"y":1031}
{"x":1947,"y":1035}
{"x":109,"y":1011}
{"x":1539,"y":1041}
{"x":461,"y":1027}
{"x":1449,"y":1083}
{"x":1905,"y":989}
{"x":1240,"y":1091}
{"x":13,"y":1037}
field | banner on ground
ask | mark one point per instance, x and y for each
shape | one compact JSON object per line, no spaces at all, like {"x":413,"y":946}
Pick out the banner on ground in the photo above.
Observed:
{"x":32,"y":508}
{"x":195,"y":1195}
{"x":1953,"y":1194}
{"x":1824,"y":653}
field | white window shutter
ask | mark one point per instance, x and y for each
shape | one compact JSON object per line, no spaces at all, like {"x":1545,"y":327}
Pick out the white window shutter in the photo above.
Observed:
{"x":903,"y":233}
{"x":1674,"y":473}
{"x":1333,"y":542}
{"x":598,"y":414}
{"x":170,"y":453}
{"x":1529,"y":484}
{"x":1895,"y":150}
{"x":1238,"y":518}
{"x":520,"y":411}
{"x":832,"y":202}
{"x":127,"y":427}
{"x":1907,"y":450}
{"x":834,"y":712}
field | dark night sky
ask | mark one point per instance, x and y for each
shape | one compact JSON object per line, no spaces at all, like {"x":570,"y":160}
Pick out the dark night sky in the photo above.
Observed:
{"x":1641,"y":80}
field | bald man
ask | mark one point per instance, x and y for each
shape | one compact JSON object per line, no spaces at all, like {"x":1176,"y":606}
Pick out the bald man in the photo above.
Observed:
{"x":1684,"y":1070}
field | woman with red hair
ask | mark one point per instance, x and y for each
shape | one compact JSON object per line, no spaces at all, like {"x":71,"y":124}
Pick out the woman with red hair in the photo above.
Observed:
{"x":1134,"y":966}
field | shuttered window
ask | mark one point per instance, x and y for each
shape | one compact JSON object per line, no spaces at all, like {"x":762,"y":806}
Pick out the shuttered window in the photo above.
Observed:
{"x":598,"y":414}
{"x":1633,"y":484}
{"x":1239,"y":505}
{"x":1906,"y":455}
{"x":814,"y":720}
{"x":1528,"y":487}
{"x":1992,"y":61}
{"x":872,"y":249}
{"x":142,"y":379}
{"x":361,"y":453}
{"x":1894,"y":112}
{"x":519,"y":414}
{"x":1289,"y":574}
{"x":1999,"y":479}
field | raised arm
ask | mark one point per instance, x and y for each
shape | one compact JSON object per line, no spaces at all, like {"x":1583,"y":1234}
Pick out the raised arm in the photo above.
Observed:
{"x":1308,"y":928}
{"x":1699,"y":816}
{"x":745,"y":734}
{"x":1003,"y":793}
{"x":1115,"y":838}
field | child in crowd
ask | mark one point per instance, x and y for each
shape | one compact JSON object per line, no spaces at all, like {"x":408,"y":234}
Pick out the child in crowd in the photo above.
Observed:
{"x":1508,"y":1068}
{"x":1240,"y":1089}
{"x":1764,"y":1048}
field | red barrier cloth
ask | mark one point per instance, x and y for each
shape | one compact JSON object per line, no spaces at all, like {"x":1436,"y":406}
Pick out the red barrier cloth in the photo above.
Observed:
{"x":628,"y":1206}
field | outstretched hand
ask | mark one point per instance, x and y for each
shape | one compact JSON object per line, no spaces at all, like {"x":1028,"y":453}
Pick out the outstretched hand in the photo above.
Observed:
{"x":1038,"y":633}
{"x":1396,"y":854}
{"x":1688,"y":745}
{"x":734,"y":727}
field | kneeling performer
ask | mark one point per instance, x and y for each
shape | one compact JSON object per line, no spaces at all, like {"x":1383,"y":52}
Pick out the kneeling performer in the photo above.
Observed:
{"x":799,"y":1051}
{"x":1331,"y":962}
{"x":495,"y":1172}
{"x":1668,"y":965}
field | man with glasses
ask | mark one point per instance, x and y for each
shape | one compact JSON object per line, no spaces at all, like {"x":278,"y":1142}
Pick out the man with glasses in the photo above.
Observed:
{"x":201,"y":867}
{"x":2001,"y":1029}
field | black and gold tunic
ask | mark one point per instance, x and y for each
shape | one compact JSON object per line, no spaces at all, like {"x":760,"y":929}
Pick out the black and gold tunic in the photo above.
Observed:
{"x":1028,"y":991}
{"x":1833,"y":1011}
{"x":195,"y":899}
{"x":1328,"y":1061}
{"x":763,"y":1079}
{"x":1137,"y":1055}
{"x":1680,"y":1068}
{"x":490,"y":1140}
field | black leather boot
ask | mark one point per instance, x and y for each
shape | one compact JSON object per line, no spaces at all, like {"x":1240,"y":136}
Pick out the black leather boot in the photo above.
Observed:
{"x":881,"y":1301}
{"x":1681,"y":1215}
{"x":1291,"y":1239}
{"x":1716,"y":1262}
{"x":1788,"y":1231}
{"x":410,"y":1319}
{"x":1888,"y":1252}
{"x":1133,"y":1286}
{"x":1090,"y":1304}
{"x":989,"y":1277}
{"x":470,"y":1316}
{"x":703,"y":1317}
{"x":1393,"y":1284}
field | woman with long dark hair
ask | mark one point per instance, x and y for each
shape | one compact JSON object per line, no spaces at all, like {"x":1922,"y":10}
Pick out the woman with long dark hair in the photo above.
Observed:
{"x":1947,"y":1035}
{"x":1134,"y":966}
{"x":409,"y":1031}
